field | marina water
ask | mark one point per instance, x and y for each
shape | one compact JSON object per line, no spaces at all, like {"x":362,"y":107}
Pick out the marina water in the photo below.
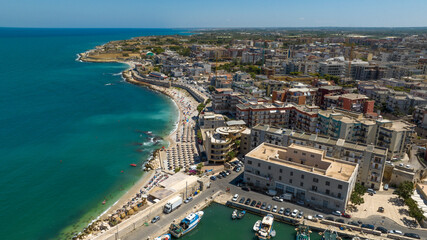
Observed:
{"x":69,"y":130}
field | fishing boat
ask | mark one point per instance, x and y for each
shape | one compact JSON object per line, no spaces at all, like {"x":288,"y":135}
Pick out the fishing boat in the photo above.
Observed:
{"x":164,"y":237}
{"x":241,"y":214}
{"x":330,"y":234}
{"x":266,"y":227}
{"x":186,"y":225}
{"x":133,"y":165}
{"x":303,"y":232}
{"x":257,"y":225}
{"x":234,"y":215}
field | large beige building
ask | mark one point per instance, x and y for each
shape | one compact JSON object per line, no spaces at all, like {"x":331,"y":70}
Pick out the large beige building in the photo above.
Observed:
{"x":371,"y":159}
{"x":305,"y":172}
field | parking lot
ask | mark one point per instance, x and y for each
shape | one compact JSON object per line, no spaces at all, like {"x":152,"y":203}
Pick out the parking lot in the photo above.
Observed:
{"x":369,"y":217}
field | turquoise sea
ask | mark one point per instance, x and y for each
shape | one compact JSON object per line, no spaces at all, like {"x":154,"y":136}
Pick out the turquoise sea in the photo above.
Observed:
{"x":66,"y":133}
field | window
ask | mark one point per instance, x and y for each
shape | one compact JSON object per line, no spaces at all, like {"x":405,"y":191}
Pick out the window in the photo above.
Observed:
{"x":269,"y":167}
{"x":292,"y":173}
{"x":280,"y":177}
{"x":301,"y":184}
{"x":303,"y":153}
{"x":314,"y":188}
{"x":268,"y":184}
{"x":315,"y":180}
{"x":259,"y":164}
{"x":339,"y":186}
{"x":295,"y":151}
{"x":302,"y":176}
{"x":312,"y":155}
{"x":327,"y":183}
{"x":339,"y":195}
{"x":312,"y":199}
{"x":249,"y":162}
{"x":327,"y":191}
{"x":281,"y":170}
{"x":290,"y":180}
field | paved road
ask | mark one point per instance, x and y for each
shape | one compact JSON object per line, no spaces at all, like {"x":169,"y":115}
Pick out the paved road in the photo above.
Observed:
{"x":223,"y":184}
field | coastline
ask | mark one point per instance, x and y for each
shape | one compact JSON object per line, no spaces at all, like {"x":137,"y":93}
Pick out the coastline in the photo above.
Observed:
{"x":169,"y":138}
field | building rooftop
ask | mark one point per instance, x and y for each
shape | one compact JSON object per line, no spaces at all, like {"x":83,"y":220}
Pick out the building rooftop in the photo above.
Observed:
{"x":321,"y":165}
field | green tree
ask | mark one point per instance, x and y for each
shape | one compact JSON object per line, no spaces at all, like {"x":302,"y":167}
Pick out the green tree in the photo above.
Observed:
{"x":231,"y":155}
{"x":356,"y":198}
{"x":405,"y":189}
{"x":177,"y":169}
{"x":359,"y":189}
{"x":200,"y":107}
{"x":199,"y":166}
{"x":211,"y":88}
{"x":199,"y":134}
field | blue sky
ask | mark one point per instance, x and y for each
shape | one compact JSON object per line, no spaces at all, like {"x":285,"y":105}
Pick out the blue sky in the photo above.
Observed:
{"x":219,"y":13}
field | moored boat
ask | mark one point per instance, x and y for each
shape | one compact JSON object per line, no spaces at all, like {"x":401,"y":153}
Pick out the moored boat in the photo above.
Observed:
{"x":266,"y":227}
{"x":186,"y":225}
{"x":303,"y":232}
{"x":241,"y":214}
{"x":133,"y":165}
{"x":234,"y":214}
{"x":257,"y":225}
{"x":164,"y":237}
{"x":330,"y":234}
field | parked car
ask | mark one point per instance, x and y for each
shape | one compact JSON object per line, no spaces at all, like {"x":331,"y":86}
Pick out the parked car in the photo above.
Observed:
{"x":294,"y":213}
{"x":274,"y":208}
{"x":287,"y":211}
{"x":282,"y":210}
{"x":236,"y":196}
{"x":386,"y":186}
{"x":269,"y":207}
{"x":237,"y":169}
{"x":213,"y":178}
{"x":382,"y":229}
{"x":340,"y":220}
{"x":381,"y":209}
{"x":245,"y":188}
{"x":396,"y":232}
{"x":258,"y":205}
{"x":370,"y":226}
{"x":253,"y":203}
{"x":300,"y":214}
{"x":242,"y":200}
{"x":346,"y":215}
{"x":412,"y":235}
{"x":219,"y":176}
{"x":300,"y":202}
{"x":319,"y":216}
{"x":370,"y":190}
{"x":248,"y":201}
{"x":336,"y":213}
{"x":277,"y":198}
{"x":189,"y":199}
{"x":329,"y":218}
{"x":353,"y":223}
{"x":155,"y":219}
{"x":264,"y":205}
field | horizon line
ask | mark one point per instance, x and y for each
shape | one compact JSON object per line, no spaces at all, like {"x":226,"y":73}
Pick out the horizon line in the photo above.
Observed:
{"x":206,"y":27}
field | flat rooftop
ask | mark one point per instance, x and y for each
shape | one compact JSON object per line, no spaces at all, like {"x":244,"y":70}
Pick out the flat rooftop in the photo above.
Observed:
{"x":330,"y":167}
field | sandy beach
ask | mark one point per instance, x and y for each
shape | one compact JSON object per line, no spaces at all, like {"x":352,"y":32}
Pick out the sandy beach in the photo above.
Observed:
{"x":184,"y":103}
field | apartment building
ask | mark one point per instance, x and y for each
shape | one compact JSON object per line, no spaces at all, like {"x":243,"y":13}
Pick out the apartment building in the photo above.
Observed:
{"x":327,"y":91}
{"x":305,"y":172}
{"x":210,"y":120}
{"x":371,"y":159}
{"x":350,"y":102}
{"x":224,"y":100}
{"x":396,"y":136}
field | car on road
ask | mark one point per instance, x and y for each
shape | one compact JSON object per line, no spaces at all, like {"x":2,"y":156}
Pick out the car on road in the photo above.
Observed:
{"x":277,"y":198}
{"x":381,"y":209}
{"x":372,"y":191}
{"x":412,"y":235}
{"x":370,"y":226}
{"x":287,"y":211}
{"x":300,"y":214}
{"x":269,"y":207}
{"x":382,"y":229}
{"x":336,"y":213}
{"x":242,"y":200}
{"x":219,"y":176}
{"x":228,"y":172}
{"x":213,"y":178}
{"x":264,"y":205}
{"x":245,"y":188}
{"x":248,"y":201}
{"x":237,"y":169}
{"x":236,"y":196}
{"x":346,"y":215}
{"x":282,"y":210}
{"x":319,"y":216}
{"x":258,"y":205}
{"x":385,"y":187}
{"x":329,"y":218}
{"x":189,"y":199}
{"x":155,"y":219}
{"x":396,"y":232}
{"x":294,"y":212}
{"x":274,"y":208}
{"x":340,"y":220}
{"x":353,"y":223}
{"x":253,"y":203}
